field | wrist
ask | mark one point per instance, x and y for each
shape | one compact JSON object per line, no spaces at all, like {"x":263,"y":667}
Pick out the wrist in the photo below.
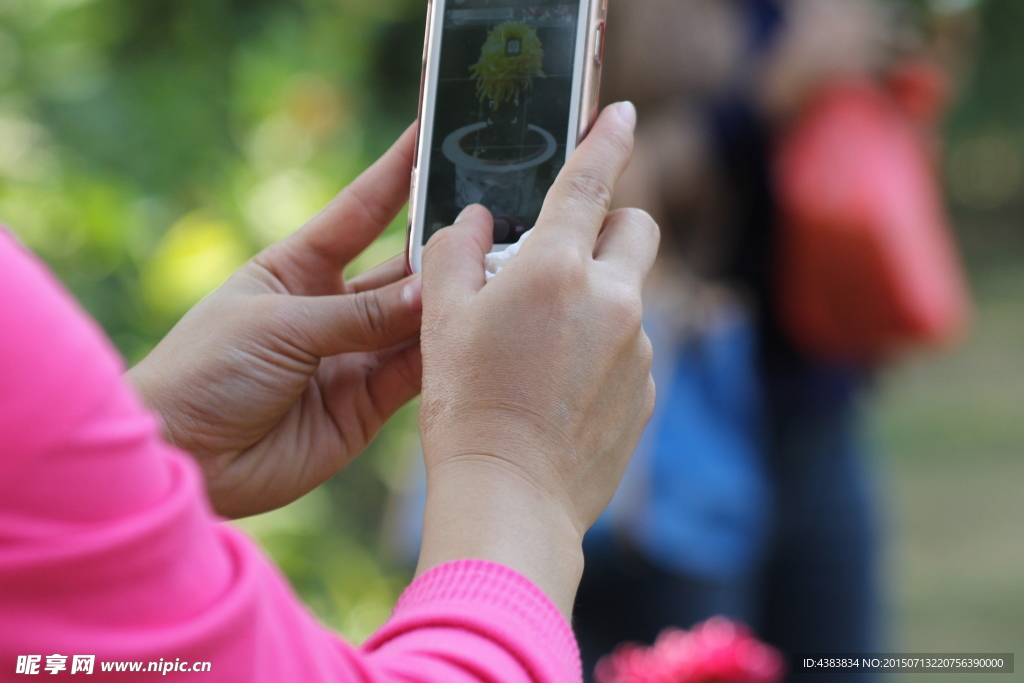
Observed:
{"x":152,"y":388}
{"x":141,"y":382}
{"x":145,"y":386}
{"x":478,"y":509}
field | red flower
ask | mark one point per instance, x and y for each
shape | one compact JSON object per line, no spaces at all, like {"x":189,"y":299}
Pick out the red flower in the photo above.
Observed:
{"x":717,"y":651}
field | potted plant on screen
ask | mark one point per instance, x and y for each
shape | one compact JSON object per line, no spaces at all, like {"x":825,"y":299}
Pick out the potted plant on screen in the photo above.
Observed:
{"x":496,"y":158}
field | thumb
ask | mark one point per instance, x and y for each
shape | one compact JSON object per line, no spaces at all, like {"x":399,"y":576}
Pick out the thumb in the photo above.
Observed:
{"x":368,"y":321}
{"x":453,"y":260}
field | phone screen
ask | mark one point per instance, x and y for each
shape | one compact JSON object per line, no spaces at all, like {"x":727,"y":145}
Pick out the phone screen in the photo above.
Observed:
{"x":504,"y":104}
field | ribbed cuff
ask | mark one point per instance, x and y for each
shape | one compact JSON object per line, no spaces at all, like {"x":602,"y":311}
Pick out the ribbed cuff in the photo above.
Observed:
{"x":495,"y":601}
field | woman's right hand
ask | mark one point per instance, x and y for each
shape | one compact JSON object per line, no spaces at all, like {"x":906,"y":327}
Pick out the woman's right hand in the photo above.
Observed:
{"x":537,"y":387}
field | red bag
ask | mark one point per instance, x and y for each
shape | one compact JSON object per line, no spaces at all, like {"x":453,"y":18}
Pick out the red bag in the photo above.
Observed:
{"x":867,"y":263}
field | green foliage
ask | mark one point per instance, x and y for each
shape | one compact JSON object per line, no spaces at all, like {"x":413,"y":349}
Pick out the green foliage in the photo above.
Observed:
{"x":147,"y":148}
{"x":984,"y":161}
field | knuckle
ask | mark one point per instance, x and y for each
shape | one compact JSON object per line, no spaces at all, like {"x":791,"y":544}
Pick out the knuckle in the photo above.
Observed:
{"x":371,"y":315}
{"x":647,"y":353}
{"x":283,"y":320}
{"x":639,"y":223}
{"x":624,"y":305}
{"x":644,"y":221}
{"x":370,"y":209}
{"x":440,"y":243}
{"x":588,"y":186}
{"x":562,"y":273}
{"x":563,"y":260}
{"x":570,"y":273}
{"x":650,"y":397}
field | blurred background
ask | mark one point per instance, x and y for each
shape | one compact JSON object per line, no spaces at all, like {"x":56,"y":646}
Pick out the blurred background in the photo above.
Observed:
{"x":147,"y":149}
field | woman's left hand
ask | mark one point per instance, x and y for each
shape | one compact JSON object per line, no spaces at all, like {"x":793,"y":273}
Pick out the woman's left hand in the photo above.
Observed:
{"x":277,"y":380}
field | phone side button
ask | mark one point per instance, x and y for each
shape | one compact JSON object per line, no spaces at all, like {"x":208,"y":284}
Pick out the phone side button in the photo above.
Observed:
{"x":413,"y":184}
{"x":599,"y":43}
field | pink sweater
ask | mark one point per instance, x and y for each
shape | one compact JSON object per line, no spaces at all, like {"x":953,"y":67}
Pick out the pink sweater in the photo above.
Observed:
{"x":108,"y":546}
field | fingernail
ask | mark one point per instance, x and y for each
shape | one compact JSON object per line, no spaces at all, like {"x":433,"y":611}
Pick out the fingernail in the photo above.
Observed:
{"x":627,"y":112}
{"x":412,"y":293}
{"x":467,"y":212}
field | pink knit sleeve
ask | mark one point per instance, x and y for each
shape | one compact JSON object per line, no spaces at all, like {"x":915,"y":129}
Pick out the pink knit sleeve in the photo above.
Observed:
{"x":109,"y":548}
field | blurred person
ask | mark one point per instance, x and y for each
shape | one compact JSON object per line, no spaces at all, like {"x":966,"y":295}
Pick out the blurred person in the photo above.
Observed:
{"x":750,"y":495}
{"x":111,"y":541}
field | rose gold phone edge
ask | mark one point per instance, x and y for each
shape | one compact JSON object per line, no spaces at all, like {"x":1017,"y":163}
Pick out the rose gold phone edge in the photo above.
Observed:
{"x":586,"y":98}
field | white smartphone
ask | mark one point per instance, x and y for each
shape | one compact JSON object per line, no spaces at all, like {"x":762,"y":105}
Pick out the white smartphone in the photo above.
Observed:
{"x":509,"y":88}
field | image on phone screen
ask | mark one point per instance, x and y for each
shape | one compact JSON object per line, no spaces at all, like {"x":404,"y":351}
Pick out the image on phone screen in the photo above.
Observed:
{"x":502,"y":118}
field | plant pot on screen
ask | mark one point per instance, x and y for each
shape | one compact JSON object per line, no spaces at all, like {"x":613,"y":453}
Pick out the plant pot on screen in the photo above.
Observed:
{"x":496,"y":160}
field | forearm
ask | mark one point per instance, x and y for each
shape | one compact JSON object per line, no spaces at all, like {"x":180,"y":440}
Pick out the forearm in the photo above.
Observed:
{"x":480,"y":510}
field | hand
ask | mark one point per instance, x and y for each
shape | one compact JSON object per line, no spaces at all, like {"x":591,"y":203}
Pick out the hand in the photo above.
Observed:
{"x":281,"y":377}
{"x":537,"y":387}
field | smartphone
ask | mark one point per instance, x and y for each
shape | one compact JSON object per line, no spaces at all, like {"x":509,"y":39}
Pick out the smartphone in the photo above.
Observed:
{"x":509,"y":88}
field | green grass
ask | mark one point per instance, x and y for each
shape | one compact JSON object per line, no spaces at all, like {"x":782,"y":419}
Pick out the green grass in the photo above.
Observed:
{"x":952,"y":428}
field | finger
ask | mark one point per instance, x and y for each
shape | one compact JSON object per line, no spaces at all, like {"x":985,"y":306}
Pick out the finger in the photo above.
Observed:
{"x":367,"y":321}
{"x":313,"y":257}
{"x":453,"y":260}
{"x":629,"y":242}
{"x":392,"y":270}
{"x":360,"y":212}
{"x":578,"y":202}
{"x":396,"y":382}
